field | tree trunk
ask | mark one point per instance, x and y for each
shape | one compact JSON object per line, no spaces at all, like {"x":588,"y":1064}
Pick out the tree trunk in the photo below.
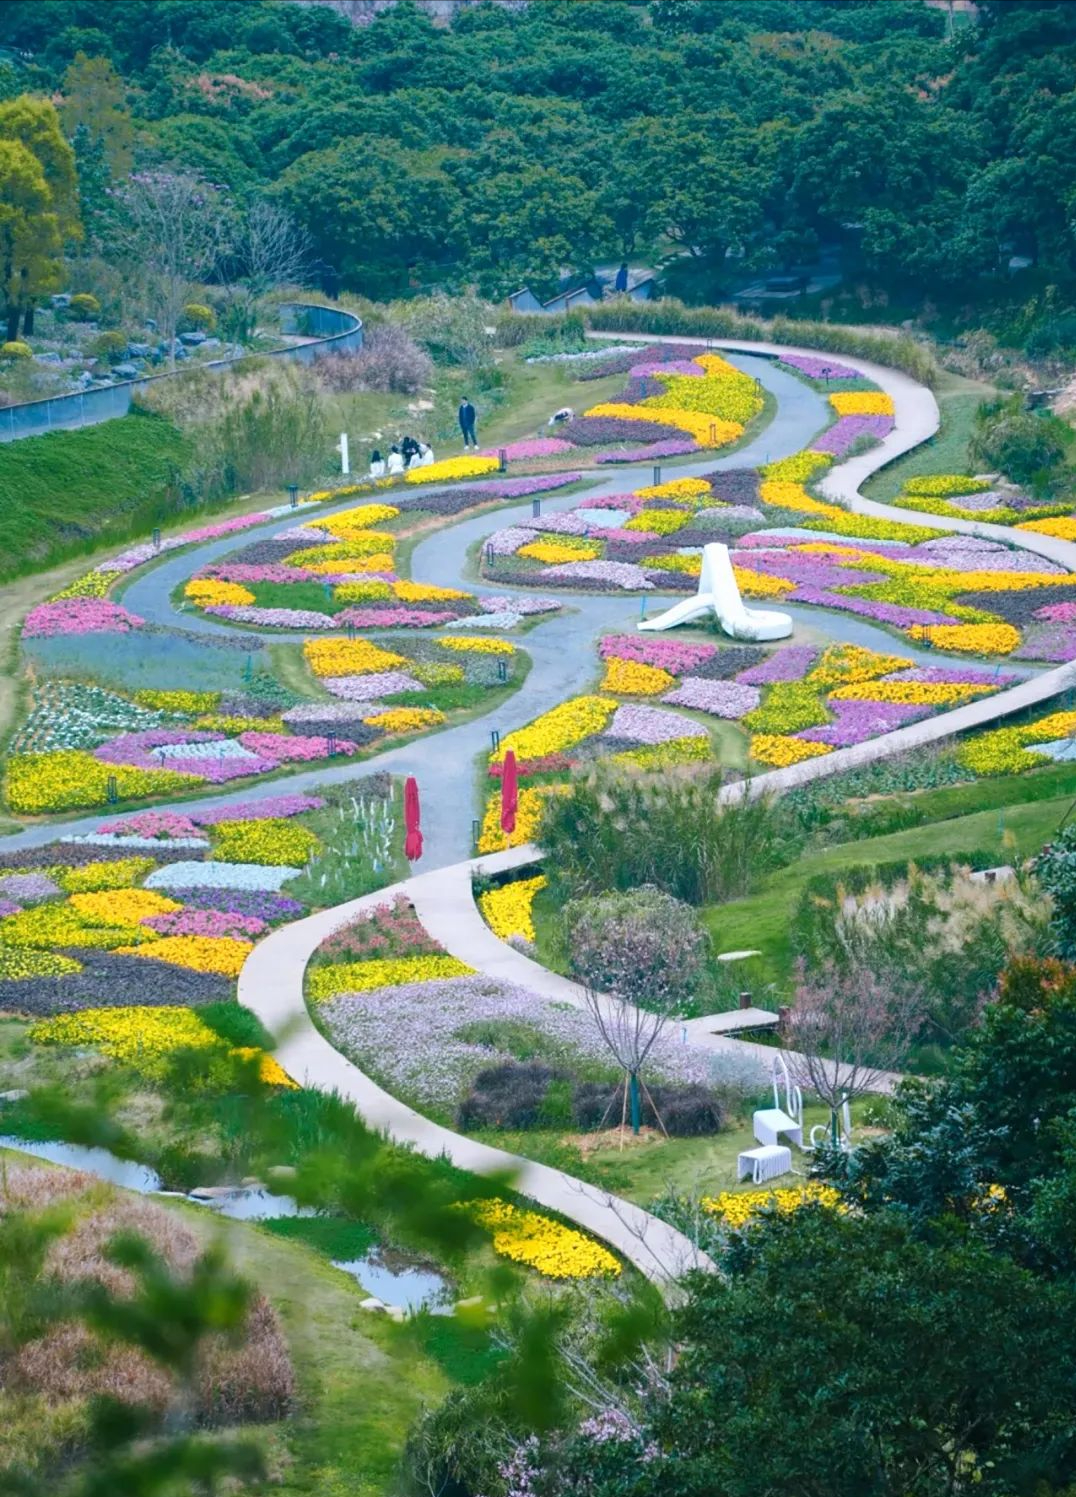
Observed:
{"x":11,"y":316}
{"x":28,"y":321}
{"x":636,"y":1109}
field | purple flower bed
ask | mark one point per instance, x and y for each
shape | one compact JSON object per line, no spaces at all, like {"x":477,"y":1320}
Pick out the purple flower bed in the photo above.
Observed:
{"x":885,"y":613}
{"x":665,"y":366}
{"x":797,"y":566}
{"x":525,"y":606}
{"x":848,"y":430}
{"x":1048,"y":642}
{"x":672,"y":655}
{"x":616,"y":535}
{"x":858,"y":721}
{"x":79,"y":616}
{"x":265,"y":572}
{"x":482,"y":493}
{"x":110,"y":980}
{"x":508,"y":541}
{"x":1057,"y":613}
{"x":272,"y":618}
{"x":164,"y":825}
{"x":369,"y":687}
{"x":657,"y":354}
{"x":27,"y":888}
{"x":395,"y":618}
{"x":572,"y":523}
{"x":720,"y":698}
{"x":609,"y":431}
{"x":528,"y":448}
{"x":817,"y":368}
{"x":639,"y":388}
{"x":256,"y":904}
{"x":73,"y":853}
{"x":673,"y":447}
{"x":735,"y":485}
{"x":650,"y":725}
{"x":612,"y":574}
{"x":991,"y":560}
{"x":269,"y":808}
{"x":789,"y":663}
{"x":949,"y":676}
{"x":729,"y":662}
{"x":272,"y":551}
{"x":135,"y":748}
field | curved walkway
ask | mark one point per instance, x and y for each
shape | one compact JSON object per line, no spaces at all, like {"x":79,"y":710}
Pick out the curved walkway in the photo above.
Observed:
{"x":271,"y":983}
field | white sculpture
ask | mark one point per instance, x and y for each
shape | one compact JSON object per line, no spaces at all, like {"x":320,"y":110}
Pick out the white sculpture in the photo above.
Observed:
{"x":719,"y":593}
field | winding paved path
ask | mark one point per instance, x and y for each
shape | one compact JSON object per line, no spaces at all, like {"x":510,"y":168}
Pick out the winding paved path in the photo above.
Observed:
{"x":271,"y":982}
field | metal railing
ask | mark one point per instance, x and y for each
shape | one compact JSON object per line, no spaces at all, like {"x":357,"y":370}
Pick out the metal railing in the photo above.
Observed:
{"x":330,"y":329}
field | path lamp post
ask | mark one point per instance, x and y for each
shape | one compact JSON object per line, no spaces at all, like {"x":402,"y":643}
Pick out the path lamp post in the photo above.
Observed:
{"x":536,"y":508}
{"x":331,"y":744}
{"x":156,"y":538}
{"x":503,"y":459}
{"x":293,"y":495}
{"x":112,"y":792}
{"x":476,"y":830}
{"x":495,"y":739}
{"x":490,"y":555}
{"x":657,"y":474}
{"x":502,"y":671}
{"x":350,"y":630}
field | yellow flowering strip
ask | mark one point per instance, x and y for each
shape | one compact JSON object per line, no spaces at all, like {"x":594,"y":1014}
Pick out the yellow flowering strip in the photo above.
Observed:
{"x":798,"y":468}
{"x":381,"y":561}
{"x":18,"y":964}
{"x":978,"y":639}
{"x":178,"y":701}
{"x":735,"y":1209}
{"x":507,"y":910}
{"x":466,"y":644}
{"x":406,"y":719}
{"x":220,"y":954}
{"x":146,"y":1038}
{"x":363,"y":592}
{"x":349,"y":657}
{"x":659,"y":521}
{"x":337,"y":556}
{"x":861,"y":403}
{"x":708,"y":431}
{"x":656,"y":756}
{"x":1064,"y":528}
{"x":426,"y":592}
{"x":270,"y":1071}
{"x":781,"y":751}
{"x":388,"y":972}
{"x":788,"y":707}
{"x":48,"y":925}
{"x":532,"y":799}
{"x":794,"y":496}
{"x":89,"y":585}
{"x":691,"y":566}
{"x":90,"y":877}
{"x":552,"y":552}
{"x":841,"y":665}
{"x":210,"y":592}
{"x":944,"y":485}
{"x":276,"y":842}
{"x":919,"y":693}
{"x":218,"y":723}
{"x":539,"y":1242}
{"x":122,"y":906}
{"x":1004,"y":750}
{"x":72,"y":780}
{"x":633,"y":678}
{"x":560,"y":728}
{"x":761,"y":584}
{"x":681,"y":490}
{"x":436,"y":672}
{"x":453,"y":467}
{"x":362,"y":517}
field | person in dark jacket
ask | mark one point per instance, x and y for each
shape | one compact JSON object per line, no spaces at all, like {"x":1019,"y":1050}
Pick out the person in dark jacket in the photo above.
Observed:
{"x":621,"y":282}
{"x":468,"y":416}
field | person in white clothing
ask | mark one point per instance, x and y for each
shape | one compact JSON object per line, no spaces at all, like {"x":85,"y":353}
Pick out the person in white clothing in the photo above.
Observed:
{"x":423,"y":457}
{"x":396,"y":462}
{"x":377,"y":464}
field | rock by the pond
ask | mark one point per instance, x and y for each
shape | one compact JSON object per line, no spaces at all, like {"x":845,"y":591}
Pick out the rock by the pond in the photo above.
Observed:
{"x":140,"y":350}
{"x":214,"y":1192}
{"x":125,"y":371}
{"x":372,"y":1303}
{"x":192,"y":340}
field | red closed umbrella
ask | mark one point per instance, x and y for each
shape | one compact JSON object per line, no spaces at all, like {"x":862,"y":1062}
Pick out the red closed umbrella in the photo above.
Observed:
{"x":509,"y":793}
{"x":413,"y":839}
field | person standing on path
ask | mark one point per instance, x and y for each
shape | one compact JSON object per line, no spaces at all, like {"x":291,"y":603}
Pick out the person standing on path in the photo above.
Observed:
{"x":468,"y":416}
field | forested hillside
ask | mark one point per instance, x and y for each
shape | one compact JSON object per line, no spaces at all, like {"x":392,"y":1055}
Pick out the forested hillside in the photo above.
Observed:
{"x":514,"y":144}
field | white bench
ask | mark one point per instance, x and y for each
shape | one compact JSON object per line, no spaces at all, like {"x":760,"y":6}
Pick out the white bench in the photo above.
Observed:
{"x":764,"y":1163}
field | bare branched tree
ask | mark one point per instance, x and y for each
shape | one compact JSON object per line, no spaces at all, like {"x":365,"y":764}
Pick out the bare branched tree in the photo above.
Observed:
{"x":847,"y":1030}
{"x":175,"y":228}
{"x":268,"y":249}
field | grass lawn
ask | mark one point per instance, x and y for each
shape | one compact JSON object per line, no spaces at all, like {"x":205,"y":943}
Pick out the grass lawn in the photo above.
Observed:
{"x":958,"y":400}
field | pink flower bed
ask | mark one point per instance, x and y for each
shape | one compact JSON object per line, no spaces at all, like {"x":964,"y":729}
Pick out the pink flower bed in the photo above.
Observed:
{"x":206,"y":923}
{"x":530,"y":447}
{"x":79,"y":616}
{"x":282,"y":750}
{"x":395,"y":618}
{"x":162,"y":824}
{"x":270,"y":808}
{"x":1057,"y":613}
{"x":371,"y":686}
{"x":678,"y":657}
{"x":672,"y":447}
{"x":671,"y":366}
{"x":273,"y":618}
{"x":650,"y":725}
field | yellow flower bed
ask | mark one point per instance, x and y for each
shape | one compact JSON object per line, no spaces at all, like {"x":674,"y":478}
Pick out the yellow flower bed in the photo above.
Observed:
{"x":89,"y":585}
{"x":560,"y":728}
{"x":387,"y":972}
{"x":349,"y":657}
{"x":178,"y":701}
{"x":724,"y":391}
{"x":659,"y":521}
{"x":978,"y":639}
{"x":1064,"y":527}
{"x":406,"y":719}
{"x":943,"y":485}
{"x":276,"y":842}
{"x":454,"y":467}
{"x":508,"y":910}
{"x":88,"y":878}
{"x":739,"y":1210}
{"x":919,"y":693}
{"x":553,"y":552}
{"x":147,"y":1038}
{"x":209,"y":592}
{"x":18,"y":964}
{"x":708,"y":431}
{"x":381,"y":561}
{"x":72,"y":780}
{"x":218,"y":723}
{"x":436,"y":672}
{"x":657,"y":756}
{"x":861,"y":403}
{"x":337,"y":556}
{"x":362,"y":517}
{"x":691,"y":566}
{"x":473,"y":645}
{"x":781,"y":751}
{"x":425,"y":592}
{"x":762,"y":584}
{"x":362,"y":592}
{"x":220,"y":954}
{"x":794,"y":496}
{"x":1004,"y":751}
{"x":841,"y":665}
{"x":529,"y":809}
{"x":48,"y":925}
{"x":680,"y":490}
{"x":270,"y":1071}
{"x":122,"y":906}
{"x":556,"y":1251}
{"x":633,"y":678}
{"x":798,"y":468}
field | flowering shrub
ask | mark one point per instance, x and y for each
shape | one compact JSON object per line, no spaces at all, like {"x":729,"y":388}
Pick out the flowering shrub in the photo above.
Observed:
{"x":348,"y":657}
{"x":273,"y":843}
{"x":507,"y":909}
{"x":781,"y":751}
{"x":861,"y":403}
{"x":40,"y":783}
{"x":453,"y":468}
{"x":406,"y":719}
{"x":977,"y":639}
{"x":476,"y":646}
{"x":561,"y":728}
{"x":79,"y":616}
{"x":556,"y":1251}
{"x":634,"y":679}
{"x":221,"y":954}
{"x":358,"y":977}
